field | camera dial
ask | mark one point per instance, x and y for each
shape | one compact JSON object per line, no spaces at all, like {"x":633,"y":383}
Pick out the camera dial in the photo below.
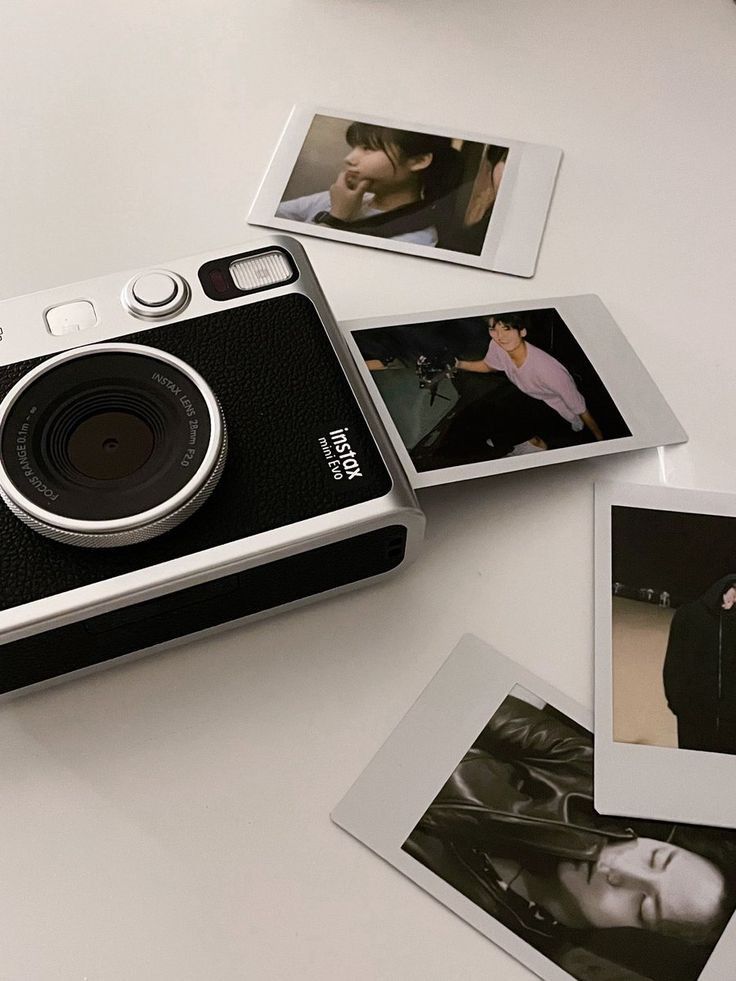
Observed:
{"x":109,"y":445}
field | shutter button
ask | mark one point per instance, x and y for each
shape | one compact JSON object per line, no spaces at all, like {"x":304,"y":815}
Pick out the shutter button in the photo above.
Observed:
{"x":156,"y":294}
{"x":154,"y":289}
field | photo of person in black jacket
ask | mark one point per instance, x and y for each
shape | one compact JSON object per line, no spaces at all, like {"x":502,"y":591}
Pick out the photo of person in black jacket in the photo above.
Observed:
{"x":673,"y":630}
{"x":700,"y":669}
{"x":514,"y":830}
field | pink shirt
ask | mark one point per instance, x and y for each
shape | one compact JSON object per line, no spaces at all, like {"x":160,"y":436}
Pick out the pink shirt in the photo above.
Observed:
{"x":542,"y":377}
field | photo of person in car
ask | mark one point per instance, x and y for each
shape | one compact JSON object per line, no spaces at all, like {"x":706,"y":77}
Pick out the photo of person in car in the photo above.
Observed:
{"x":392,"y":183}
{"x":385,"y":182}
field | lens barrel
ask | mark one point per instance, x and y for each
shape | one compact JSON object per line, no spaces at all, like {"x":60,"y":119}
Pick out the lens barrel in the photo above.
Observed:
{"x":109,"y":445}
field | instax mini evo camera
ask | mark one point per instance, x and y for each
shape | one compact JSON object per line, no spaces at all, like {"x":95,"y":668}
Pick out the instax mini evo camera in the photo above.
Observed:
{"x":183,"y":448}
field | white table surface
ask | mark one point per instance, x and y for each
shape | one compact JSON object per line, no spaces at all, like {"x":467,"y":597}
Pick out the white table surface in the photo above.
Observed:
{"x":168,"y":819}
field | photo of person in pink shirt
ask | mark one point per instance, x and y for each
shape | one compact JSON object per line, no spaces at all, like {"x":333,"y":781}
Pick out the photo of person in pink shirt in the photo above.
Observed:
{"x":488,"y":386}
{"x":536,"y":373}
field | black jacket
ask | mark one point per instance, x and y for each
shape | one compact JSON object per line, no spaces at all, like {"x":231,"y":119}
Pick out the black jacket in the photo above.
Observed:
{"x":526,"y":784}
{"x":700,"y":665}
{"x":525,"y":791}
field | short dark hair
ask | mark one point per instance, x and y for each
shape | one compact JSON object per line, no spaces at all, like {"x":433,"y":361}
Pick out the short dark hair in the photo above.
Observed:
{"x":516,"y":321}
{"x":443,"y":175}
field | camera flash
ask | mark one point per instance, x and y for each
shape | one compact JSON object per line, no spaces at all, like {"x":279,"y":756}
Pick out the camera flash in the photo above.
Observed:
{"x":255,"y":272}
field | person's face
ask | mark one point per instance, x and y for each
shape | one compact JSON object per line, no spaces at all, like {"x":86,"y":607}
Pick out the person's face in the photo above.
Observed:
{"x":383,"y":172}
{"x":643,"y":883}
{"x":729,"y":598}
{"x":508,"y":338}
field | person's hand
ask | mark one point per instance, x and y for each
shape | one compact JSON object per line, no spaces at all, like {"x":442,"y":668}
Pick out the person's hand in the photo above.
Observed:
{"x":346,"y":199}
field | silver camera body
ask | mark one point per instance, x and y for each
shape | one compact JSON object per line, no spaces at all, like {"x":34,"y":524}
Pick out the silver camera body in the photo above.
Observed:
{"x":183,"y":449}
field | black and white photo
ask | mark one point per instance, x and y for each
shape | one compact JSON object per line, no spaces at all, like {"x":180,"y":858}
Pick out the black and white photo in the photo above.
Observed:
{"x":514,"y":829}
{"x":445,"y":194}
{"x":511,"y":827}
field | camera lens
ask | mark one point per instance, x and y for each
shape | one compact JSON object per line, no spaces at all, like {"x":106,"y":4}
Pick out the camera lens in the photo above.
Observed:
{"x":109,"y":445}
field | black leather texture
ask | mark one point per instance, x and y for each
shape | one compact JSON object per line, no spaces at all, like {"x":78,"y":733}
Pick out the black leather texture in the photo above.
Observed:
{"x":112,"y":635}
{"x":281,"y":388}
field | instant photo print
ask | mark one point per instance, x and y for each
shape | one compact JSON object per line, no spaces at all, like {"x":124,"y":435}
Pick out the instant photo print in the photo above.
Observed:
{"x":470,"y":392}
{"x":665,"y":665}
{"x":441,"y":193}
{"x":483,"y":796}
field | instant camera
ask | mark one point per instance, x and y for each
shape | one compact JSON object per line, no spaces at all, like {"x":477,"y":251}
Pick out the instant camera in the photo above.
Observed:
{"x":182,"y":449}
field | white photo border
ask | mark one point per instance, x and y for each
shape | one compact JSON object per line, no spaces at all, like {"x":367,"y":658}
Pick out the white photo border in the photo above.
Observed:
{"x":636,"y":396}
{"x":657,"y":782}
{"x":435,"y":734}
{"x":514,"y":234}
